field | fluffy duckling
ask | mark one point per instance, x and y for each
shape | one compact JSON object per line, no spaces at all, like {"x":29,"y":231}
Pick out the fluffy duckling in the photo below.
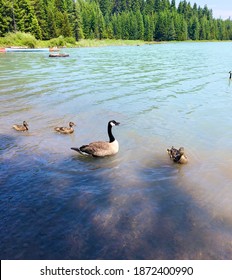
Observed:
{"x":177,"y":156}
{"x":101,"y":148}
{"x":65,"y":130}
{"x":21,"y":127}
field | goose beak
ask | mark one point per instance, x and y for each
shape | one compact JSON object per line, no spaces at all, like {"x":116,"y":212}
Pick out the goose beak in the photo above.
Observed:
{"x":117,"y":123}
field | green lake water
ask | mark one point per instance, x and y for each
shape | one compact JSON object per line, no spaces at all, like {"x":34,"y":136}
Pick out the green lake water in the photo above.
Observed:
{"x":56,"y":204}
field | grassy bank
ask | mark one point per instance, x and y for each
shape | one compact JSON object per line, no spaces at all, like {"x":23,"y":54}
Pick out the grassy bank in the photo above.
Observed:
{"x":21,"y":39}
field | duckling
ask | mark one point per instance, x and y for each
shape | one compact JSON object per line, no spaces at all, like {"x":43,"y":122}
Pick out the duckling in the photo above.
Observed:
{"x":21,"y":127}
{"x":101,"y":148}
{"x":65,"y":130}
{"x":177,"y":156}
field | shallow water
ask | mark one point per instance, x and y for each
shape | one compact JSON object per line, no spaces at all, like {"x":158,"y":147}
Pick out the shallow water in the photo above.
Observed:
{"x":56,"y":204}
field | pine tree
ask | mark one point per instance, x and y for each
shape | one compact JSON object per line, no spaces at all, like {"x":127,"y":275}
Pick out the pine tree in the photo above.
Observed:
{"x":6,"y":20}
{"x":149,"y":7}
{"x":35,"y":29}
{"x":117,"y":26}
{"x":66,"y":30}
{"x":194,"y":28}
{"x":109,"y":33}
{"x":181,"y":28}
{"x":171,"y":33}
{"x":24,"y":17}
{"x":105,"y":6}
{"x":51,"y":22}
{"x":173,"y":6}
{"x":125,"y":25}
{"x":77,"y":22}
{"x":148,"y":28}
{"x":140,"y":25}
{"x":100,"y":23}
{"x":161,"y":27}
{"x":158,"y":6}
{"x":60,"y":5}
{"x":41,"y":17}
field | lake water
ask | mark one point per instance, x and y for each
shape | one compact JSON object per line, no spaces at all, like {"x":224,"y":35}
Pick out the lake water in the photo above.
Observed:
{"x":56,"y":204}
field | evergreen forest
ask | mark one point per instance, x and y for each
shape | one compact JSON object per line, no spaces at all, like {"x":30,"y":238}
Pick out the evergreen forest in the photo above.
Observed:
{"x":149,"y":20}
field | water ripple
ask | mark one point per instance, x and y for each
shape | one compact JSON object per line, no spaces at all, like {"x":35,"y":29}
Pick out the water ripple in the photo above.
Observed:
{"x":137,"y":204}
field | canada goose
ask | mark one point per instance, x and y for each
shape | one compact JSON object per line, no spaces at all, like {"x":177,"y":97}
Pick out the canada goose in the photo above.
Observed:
{"x":230,"y":75}
{"x":21,"y":127}
{"x":177,"y":155}
{"x":101,"y":148}
{"x":65,"y":130}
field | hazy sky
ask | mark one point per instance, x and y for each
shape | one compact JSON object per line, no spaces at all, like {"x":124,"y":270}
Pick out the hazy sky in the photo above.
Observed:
{"x":221,"y":8}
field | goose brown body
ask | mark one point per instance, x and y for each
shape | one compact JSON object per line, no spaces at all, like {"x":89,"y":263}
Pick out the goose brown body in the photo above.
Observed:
{"x":65,"y":130}
{"x":101,"y":148}
{"x":21,"y":127}
{"x":177,"y":155}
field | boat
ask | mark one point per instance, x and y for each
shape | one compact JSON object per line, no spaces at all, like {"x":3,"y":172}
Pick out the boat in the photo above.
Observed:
{"x":58,"y":55}
{"x":23,"y":49}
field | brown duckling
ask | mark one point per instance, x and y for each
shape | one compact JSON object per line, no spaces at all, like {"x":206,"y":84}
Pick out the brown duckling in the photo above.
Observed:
{"x":177,"y":155}
{"x":65,"y":130}
{"x":21,"y":127}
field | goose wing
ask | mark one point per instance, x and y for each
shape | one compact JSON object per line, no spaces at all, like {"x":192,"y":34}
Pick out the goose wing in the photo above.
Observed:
{"x":99,"y":148}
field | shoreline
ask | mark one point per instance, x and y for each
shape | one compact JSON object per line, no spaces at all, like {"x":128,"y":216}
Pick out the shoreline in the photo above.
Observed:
{"x":88,"y":43}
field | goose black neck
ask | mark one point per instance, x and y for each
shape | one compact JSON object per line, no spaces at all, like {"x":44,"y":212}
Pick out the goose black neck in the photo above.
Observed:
{"x":110,"y":133}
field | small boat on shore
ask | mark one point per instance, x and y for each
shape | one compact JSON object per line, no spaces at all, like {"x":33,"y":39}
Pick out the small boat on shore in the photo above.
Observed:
{"x":24,"y":49}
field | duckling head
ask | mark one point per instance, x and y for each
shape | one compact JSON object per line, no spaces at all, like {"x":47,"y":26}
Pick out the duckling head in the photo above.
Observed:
{"x":71,"y":124}
{"x":181,"y":150}
{"x":25,"y":124}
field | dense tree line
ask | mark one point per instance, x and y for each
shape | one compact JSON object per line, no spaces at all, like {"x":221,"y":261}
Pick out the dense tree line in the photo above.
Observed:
{"x":148,"y":20}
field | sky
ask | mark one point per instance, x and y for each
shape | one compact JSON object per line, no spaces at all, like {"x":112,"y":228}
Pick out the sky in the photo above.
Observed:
{"x":221,"y":8}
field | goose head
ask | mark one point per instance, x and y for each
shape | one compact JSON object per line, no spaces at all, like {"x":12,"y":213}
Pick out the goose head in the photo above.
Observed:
{"x":113,"y":123}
